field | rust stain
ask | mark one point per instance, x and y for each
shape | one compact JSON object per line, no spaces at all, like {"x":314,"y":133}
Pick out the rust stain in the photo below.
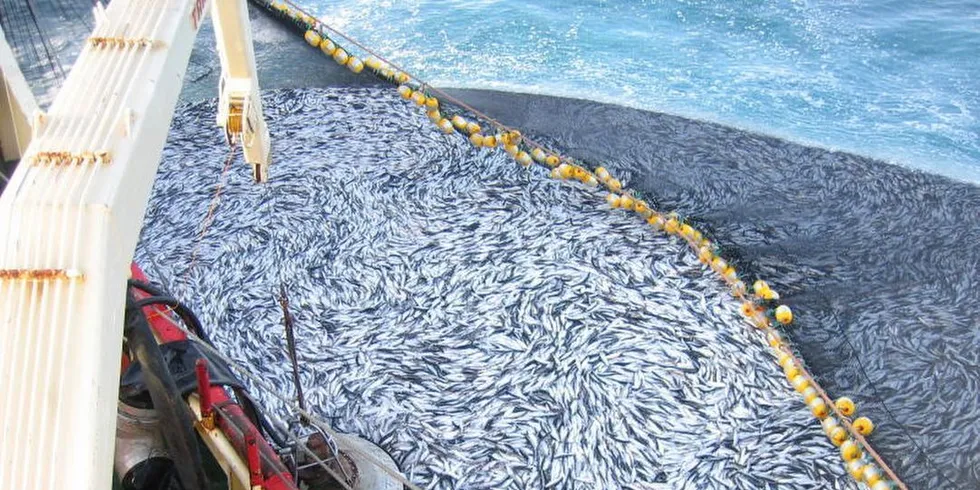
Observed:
{"x":65,"y":158}
{"x":121,"y":42}
{"x":36,"y":275}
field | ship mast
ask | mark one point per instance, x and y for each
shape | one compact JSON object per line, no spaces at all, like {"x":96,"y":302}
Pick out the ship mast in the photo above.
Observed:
{"x":71,"y":215}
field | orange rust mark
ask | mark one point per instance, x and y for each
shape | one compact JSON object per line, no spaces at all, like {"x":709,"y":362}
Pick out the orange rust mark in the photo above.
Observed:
{"x":65,"y":158}
{"x":120,"y":42}
{"x":36,"y":275}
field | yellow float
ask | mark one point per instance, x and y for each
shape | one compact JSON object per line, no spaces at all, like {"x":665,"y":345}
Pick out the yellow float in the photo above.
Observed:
{"x":845,"y":405}
{"x":312,"y":38}
{"x":863,"y":426}
{"x":850,"y":451}
{"x":784,"y":315}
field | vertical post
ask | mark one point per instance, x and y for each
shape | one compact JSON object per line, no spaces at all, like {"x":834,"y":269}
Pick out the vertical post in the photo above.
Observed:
{"x":204,"y":393}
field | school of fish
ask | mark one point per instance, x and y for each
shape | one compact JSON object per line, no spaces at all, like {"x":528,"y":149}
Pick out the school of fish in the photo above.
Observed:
{"x":488,"y":326}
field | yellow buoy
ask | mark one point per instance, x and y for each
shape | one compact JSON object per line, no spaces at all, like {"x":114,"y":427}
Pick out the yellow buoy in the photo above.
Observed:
{"x":809,"y":395}
{"x":446,"y":126}
{"x":459,"y":122}
{"x":729,"y":274}
{"x":770,"y":295}
{"x":845,"y":405}
{"x":490,"y":141}
{"x":313,"y":38}
{"x":565,"y":171}
{"x":614,"y":185}
{"x":613,"y":200}
{"x":472,"y":127}
{"x":686,"y":230}
{"x":819,"y":408}
{"x":355,"y":65}
{"x":785,"y":358}
{"x":850,"y":451}
{"x":829,"y":424}
{"x":579,"y":173}
{"x":642,"y":208}
{"x":418,"y":98}
{"x":718,"y":264}
{"x":405,"y":91}
{"x":431,"y":102}
{"x":401,"y":77}
{"x":538,"y":155}
{"x":881,"y":485}
{"x":551,"y":160}
{"x":476,"y":139}
{"x":672,"y":226}
{"x":838,"y":436}
{"x":591,"y":181}
{"x":705,"y":255}
{"x":799,"y":383}
{"x":775,"y":339}
{"x":657,"y":221}
{"x":514,"y":137}
{"x":435,"y":116}
{"x":511,"y":149}
{"x":555,"y":174}
{"x":863,"y":425}
{"x":523,"y":158}
{"x":871,"y":474}
{"x":748,"y":309}
{"x":784,"y":315}
{"x":792,"y":371}
{"x":340,"y":56}
{"x":627,"y":203}
{"x":602,"y":174}
{"x":759,"y":287}
{"x":856,"y":469}
{"x":372,"y":63}
{"x":328,"y":47}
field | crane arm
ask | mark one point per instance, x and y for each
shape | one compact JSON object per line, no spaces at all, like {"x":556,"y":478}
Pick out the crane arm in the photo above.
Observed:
{"x":239,"y":104}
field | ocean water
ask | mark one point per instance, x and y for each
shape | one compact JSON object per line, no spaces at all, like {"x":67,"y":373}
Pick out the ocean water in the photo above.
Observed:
{"x":889,"y":79}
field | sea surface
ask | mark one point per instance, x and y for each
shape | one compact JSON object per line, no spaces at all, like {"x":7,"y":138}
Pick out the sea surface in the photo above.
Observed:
{"x":890,"y":79}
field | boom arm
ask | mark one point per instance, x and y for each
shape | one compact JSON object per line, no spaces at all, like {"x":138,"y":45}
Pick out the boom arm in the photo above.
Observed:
{"x":69,"y":222}
{"x":239,"y":105}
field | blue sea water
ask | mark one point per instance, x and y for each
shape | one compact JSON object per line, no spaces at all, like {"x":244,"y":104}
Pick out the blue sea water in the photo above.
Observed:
{"x":890,"y":79}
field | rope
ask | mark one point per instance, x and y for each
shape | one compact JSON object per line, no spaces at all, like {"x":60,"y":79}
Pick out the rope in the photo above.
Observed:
{"x":767,"y":329}
{"x":212,"y":209}
{"x":442,"y":93}
{"x":840,"y":416}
